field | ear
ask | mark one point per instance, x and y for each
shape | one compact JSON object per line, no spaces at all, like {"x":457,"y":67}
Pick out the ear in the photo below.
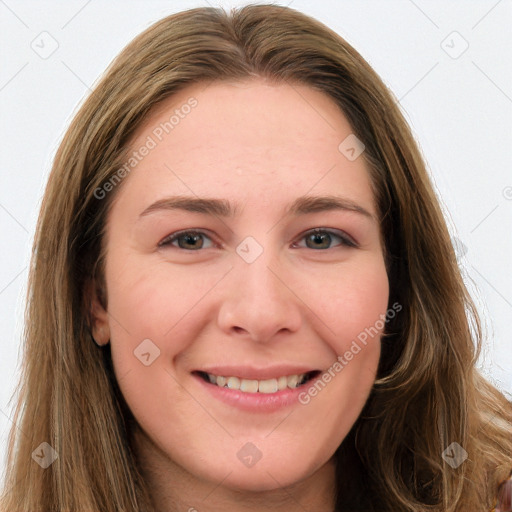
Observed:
{"x":98,"y":315}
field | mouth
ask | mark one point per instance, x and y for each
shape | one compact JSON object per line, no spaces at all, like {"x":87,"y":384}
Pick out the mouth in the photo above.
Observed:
{"x":254,"y":386}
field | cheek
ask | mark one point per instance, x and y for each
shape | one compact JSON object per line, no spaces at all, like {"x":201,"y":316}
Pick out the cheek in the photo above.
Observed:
{"x":153,"y":300}
{"x":353,"y":306}
{"x":154,"y":315}
{"x":351,"y":302}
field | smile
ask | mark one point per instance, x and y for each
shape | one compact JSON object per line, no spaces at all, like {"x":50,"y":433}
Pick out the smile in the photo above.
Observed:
{"x":258,"y":386}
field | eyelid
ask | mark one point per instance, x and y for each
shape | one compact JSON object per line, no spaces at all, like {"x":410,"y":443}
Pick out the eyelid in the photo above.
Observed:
{"x":346,"y":239}
{"x":176,"y":234}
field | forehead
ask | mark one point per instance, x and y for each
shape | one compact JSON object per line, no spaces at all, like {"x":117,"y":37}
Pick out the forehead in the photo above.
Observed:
{"x":248,"y":141}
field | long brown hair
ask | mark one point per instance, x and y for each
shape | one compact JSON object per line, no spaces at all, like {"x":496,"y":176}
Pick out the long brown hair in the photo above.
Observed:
{"x":428,"y":393}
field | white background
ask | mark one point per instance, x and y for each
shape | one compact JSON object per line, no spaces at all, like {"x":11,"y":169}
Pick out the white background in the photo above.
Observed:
{"x":460,"y":110}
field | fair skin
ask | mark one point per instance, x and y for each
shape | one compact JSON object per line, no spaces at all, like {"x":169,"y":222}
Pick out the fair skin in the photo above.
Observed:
{"x":295,"y":308}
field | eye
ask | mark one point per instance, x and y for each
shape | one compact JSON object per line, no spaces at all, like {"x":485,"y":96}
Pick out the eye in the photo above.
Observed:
{"x":320,"y":238}
{"x":188,"y":240}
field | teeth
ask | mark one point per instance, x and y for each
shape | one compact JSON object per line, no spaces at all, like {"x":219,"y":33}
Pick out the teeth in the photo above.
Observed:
{"x":258,"y":386}
{"x":292,"y":381}
{"x":267,"y":386}
{"x":233,"y":383}
{"x":282,"y":383}
{"x":249,"y":386}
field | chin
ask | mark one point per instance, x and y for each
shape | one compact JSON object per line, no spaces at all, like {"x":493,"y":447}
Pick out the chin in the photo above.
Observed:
{"x":264,"y":476}
{"x":262,"y":480}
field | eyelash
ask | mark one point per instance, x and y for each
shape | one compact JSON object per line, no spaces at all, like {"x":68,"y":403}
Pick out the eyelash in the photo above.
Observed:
{"x":345,"y":240}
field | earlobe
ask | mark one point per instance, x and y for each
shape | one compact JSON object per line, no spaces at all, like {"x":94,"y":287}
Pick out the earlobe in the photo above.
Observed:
{"x":98,"y":319}
{"x":100,"y":335}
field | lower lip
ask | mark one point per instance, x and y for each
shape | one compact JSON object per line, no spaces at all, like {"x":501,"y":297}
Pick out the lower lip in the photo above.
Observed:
{"x":254,"y":402}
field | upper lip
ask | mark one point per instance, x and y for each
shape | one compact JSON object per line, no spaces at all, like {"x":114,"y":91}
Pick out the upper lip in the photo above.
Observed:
{"x":250,"y":372}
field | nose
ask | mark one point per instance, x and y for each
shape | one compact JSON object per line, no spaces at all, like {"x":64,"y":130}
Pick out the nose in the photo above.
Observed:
{"x":259,"y":301}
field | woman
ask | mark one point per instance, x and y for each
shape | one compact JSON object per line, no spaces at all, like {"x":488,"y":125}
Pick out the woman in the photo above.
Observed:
{"x":191,"y":344}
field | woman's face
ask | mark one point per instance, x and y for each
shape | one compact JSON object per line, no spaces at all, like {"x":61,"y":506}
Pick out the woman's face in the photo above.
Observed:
{"x":245,"y":294}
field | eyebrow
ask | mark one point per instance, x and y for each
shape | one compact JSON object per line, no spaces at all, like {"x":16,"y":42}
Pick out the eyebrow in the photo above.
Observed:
{"x":222,"y":208}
